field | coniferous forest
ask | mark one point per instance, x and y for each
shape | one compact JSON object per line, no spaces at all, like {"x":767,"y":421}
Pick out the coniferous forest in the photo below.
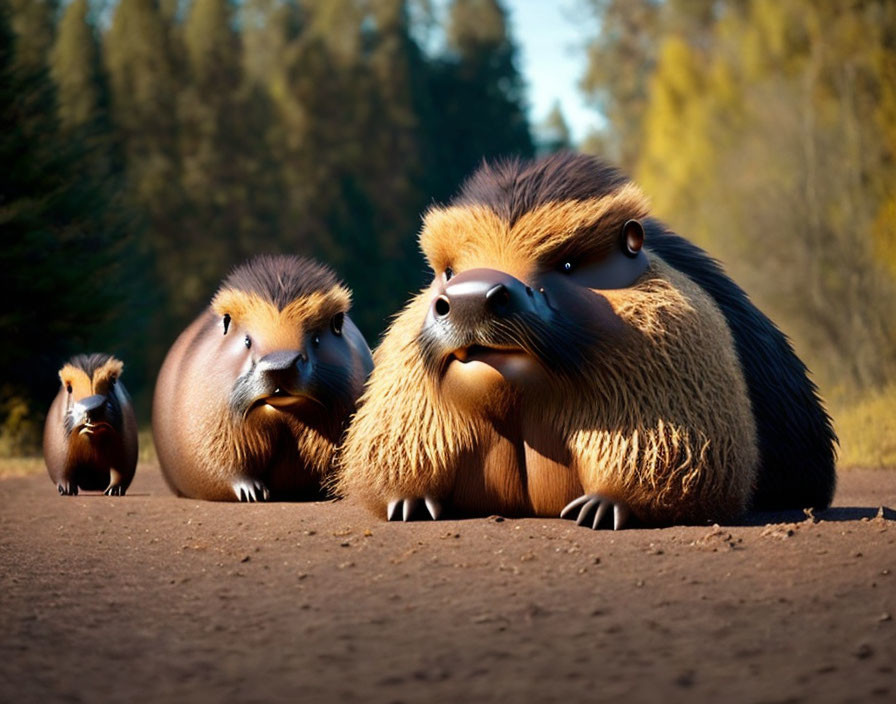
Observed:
{"x":149,"y":145}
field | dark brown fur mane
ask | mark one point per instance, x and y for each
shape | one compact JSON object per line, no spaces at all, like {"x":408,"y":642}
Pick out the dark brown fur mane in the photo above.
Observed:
{"x":280,"y":279}
{"x":89,"y":363}
{"x":513,"y":187}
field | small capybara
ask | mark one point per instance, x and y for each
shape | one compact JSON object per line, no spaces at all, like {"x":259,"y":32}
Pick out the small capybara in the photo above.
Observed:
{"x":573,"y":357}
{"x":90,"y":435}
{"x":255,"y":394}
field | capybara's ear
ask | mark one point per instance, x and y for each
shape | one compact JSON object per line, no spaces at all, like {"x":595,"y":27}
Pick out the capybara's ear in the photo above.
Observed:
{"x":110,"y":370}
{"x":254,"y":396}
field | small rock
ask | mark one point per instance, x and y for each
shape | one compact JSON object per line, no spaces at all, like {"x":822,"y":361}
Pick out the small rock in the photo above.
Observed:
{"x":780,"y":532}
{"x":863,"y":651}
{"x":685,"y":679}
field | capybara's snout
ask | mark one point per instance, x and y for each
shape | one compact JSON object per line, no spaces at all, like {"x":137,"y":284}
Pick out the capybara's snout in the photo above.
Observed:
{"x":481,"y":295}
{"x":90,"y":410}
{"x":283,"y":372}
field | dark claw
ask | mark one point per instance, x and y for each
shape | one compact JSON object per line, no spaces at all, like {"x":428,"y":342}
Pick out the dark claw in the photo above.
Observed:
{"x":67,"y":489}
{"x":586,"y":510}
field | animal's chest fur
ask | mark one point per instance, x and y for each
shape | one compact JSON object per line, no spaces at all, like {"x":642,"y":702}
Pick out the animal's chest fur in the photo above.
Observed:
{"x":287,"y":474}
{"x":91,"y":461}
{"x":517,"y":469}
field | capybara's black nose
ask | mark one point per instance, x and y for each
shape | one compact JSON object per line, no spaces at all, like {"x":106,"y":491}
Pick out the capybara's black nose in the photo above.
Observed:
{"x":93,"y":406}
{"x":283,"y":371}
{"x":280,"y":361}
{"x":481,"y":293}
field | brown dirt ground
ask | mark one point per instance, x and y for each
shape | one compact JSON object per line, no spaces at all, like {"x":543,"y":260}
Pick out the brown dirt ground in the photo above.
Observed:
{"x":152,"y":598}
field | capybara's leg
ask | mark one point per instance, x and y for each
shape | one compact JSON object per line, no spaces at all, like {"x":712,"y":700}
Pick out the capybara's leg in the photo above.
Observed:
{"x":115,"y":487}
{"x":67,"y":486}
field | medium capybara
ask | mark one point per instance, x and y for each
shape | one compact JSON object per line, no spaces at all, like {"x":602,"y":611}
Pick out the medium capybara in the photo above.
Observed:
{"x":573,"y":357}
{"x":255,"y":394}
{"x":90,"y":435}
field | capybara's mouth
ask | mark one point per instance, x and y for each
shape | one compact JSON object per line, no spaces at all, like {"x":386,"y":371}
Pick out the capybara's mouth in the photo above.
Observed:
{"x":494,"y":356}
{"x":282,"y":399}
{"x":96,"y":428}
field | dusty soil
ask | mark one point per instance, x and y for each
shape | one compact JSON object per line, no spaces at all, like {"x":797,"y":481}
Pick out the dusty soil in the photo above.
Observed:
{"x":152,"y":598}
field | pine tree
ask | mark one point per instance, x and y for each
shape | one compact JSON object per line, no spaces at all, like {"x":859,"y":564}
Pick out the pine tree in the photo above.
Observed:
{"x":212,"y":144}
{"x":397,"y":174}
{"x":553,"y":133}
{"x":621,"y":58}
{"x":82,"y":88}
{"x":478,"y":92}
{"x":33,"y":24}
{"x":140,"y":60}
{"x":65,"y":265}
{"x":267,"y":28}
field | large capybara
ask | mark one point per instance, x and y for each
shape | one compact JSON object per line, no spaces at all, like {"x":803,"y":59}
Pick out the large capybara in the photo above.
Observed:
{"x":90,"y":435}
{"x":573,"y":357}
{"x":255,"y":394}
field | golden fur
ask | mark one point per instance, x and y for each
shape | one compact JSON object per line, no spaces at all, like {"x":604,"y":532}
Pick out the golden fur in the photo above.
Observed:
{"x":455,"y":233}
{"x":85,"y":385}
{"x":660,"y":421}
{"x":305,"y":313}
{"x":222,"y":443}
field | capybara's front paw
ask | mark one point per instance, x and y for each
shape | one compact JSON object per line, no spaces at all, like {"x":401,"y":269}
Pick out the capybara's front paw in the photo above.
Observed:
{"x":592,"y":509}
{"x":251,"y":490}
{"x":115,"y":490}
{"x":409,"y":509}
{"x":67,"y":488}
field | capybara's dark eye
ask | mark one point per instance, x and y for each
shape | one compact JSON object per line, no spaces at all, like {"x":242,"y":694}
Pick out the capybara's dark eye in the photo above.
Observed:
{"x":449,"y":273}
{"x":68,"y":387}
{"x":248,"y":342}
{"x":226,"y":322}
{"x":632,"y":237}
{"x":336,"y":323}
{"x":567,"y":267}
